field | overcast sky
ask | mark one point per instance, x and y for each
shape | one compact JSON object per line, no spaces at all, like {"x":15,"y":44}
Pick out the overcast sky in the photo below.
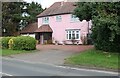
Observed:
{"x":44,"y":3}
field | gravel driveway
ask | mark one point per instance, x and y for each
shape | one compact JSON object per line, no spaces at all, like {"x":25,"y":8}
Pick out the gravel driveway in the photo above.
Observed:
{"x":51,"y":54}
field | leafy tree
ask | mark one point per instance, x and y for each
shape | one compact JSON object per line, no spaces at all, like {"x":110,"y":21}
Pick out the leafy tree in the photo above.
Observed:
{"x":16,"y":15}
{"x":11,"y":16}
{"x":33,"y":9}
{"x":106,"y":27}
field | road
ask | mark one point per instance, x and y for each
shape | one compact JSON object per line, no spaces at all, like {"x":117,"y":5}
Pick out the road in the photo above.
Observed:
{"x":14,"y":67}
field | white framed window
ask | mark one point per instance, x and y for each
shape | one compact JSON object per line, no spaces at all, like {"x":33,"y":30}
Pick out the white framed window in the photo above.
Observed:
{"x":73,"y":34}
{"x":58,"y":18}
{"x":74,"y":18}
{"x":45,"y":20}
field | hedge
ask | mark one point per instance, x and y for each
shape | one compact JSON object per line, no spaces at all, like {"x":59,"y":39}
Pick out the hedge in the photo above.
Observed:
{"x":24,"y":43}
{"x":4,"y":42}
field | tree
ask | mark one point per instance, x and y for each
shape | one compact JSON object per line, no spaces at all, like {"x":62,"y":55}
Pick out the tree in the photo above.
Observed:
{"x":33,"y":9}
{"x":105,"y":28}
{"x":11,"y":16}
{"x":16,"y":15}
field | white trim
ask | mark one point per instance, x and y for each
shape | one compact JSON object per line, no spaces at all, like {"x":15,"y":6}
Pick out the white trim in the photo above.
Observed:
{"x":75,"y":32}
{"x":6,"y":74}
{"x":45,"y":20}
{"x":74,"y":18}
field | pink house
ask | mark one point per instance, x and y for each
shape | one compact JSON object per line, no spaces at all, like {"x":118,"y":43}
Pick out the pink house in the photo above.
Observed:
{"x":57,"y":24}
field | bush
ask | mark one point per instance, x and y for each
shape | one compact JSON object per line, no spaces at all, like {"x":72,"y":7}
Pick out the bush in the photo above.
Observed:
{"x":102,"y":36}
{"x":24,"y":43}
{"x":4,"y":41}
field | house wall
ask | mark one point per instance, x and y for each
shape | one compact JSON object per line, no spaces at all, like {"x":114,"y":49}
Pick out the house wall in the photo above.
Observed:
{"x":59,"y":28}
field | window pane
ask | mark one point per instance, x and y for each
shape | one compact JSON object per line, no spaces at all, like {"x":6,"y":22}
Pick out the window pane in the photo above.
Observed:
{"x":77,"y":36}
{"x":77,"y":32}
{"x":69,"y":32}
{"x":58,"y":18}
{"x":73,"y":36}
{"x":70,"y":36}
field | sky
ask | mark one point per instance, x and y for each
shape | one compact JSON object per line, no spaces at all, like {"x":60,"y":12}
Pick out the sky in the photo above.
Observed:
{"x":44,"y":3}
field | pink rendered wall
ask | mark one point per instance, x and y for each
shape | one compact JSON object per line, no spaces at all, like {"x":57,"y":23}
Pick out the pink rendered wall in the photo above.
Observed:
{"x":59,"y":28}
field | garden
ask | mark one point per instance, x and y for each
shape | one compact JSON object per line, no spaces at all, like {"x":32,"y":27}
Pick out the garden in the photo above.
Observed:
{"x":17,"y":45}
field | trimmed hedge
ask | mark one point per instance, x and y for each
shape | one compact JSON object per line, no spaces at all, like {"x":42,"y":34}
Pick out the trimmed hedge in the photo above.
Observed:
{"x":24,"y":43}
{"x":4,"y":42}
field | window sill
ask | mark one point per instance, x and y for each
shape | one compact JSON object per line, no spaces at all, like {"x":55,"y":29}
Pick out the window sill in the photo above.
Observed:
{"x":74,"y":21}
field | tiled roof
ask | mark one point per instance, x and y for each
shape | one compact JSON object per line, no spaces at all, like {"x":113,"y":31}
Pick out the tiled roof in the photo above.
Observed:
{"x":44,"y":28}
{"x":59,"y":8}
{"x":30,"y":28}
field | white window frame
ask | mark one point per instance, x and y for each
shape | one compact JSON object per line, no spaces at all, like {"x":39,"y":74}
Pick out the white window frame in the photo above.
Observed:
{"x":74,"y":18}
{"x":69,"y":34}
{"x":58,"y":18}
{"x":45,"y":20}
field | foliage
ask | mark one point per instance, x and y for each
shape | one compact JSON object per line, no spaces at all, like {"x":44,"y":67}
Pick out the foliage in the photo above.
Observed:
{"x":16,"y":15}
{"x":24,"y":43}
{"x":4,"y":42}
{"x":105,"y":28}
{"x":10,"y":43}
{"x":33,"y":9}
{"x":11,"y":17}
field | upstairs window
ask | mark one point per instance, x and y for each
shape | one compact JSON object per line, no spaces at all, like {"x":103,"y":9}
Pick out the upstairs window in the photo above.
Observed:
{"x":45,"y":20}
{"x":74,"y":18}
{"x":58,"y":18}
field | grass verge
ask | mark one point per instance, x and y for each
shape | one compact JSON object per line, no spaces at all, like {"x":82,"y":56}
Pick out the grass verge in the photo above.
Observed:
{"x":94,"y":58}
{"x":6,"y":52}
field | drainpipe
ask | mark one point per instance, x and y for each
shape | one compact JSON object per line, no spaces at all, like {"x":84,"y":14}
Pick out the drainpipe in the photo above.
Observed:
{"x":88,"y":32}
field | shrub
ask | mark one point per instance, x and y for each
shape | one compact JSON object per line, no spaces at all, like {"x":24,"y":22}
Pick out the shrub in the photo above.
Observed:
{"x":10,"y":43}
{"x":4,"y":41}
{"x":24,"y":43}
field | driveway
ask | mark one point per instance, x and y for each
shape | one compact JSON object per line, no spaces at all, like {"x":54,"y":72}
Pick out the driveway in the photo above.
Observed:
{"x":51,"y":54}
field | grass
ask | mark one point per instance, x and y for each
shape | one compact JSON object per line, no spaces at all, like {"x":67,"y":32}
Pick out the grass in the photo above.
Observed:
{"x":6,"y":52}
{"x":94,"y":58}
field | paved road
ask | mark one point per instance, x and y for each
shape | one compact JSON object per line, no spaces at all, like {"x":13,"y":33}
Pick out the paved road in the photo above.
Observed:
{"x":16,"y":67}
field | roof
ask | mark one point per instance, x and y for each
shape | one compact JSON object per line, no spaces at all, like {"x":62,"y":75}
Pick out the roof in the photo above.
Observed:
{"x":44,"y":28}
{"x":30,"y":28}
{"x":59,"y":8}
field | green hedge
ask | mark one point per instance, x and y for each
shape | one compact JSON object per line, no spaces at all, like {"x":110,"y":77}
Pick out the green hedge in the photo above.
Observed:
{"x":24,"y":43}
{"x":4,"y":42}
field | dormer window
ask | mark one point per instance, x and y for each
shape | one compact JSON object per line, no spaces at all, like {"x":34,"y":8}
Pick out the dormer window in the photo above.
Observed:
{"x":45,"y":20}
{"x":58,"y":18}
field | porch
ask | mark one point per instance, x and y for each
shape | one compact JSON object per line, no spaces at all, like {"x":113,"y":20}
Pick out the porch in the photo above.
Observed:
{"x":44,"y":34}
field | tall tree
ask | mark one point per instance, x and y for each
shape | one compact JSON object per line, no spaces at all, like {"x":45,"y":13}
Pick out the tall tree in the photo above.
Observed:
{"x":11,"y":16}
{"x":16,"y":15}
{"x":33,"y":9}
{"x":105,"y":28}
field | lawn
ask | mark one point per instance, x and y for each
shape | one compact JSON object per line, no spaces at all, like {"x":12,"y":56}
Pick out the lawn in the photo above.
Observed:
{"x":5,"y":52}
{"x":94,"y":58}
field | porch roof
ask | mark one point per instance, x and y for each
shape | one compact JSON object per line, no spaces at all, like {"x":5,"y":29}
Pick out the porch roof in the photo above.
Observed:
{"x":44,"y":28}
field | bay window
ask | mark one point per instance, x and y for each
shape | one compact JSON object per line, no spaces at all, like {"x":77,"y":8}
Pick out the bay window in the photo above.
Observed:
{"x":73,"y":34}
